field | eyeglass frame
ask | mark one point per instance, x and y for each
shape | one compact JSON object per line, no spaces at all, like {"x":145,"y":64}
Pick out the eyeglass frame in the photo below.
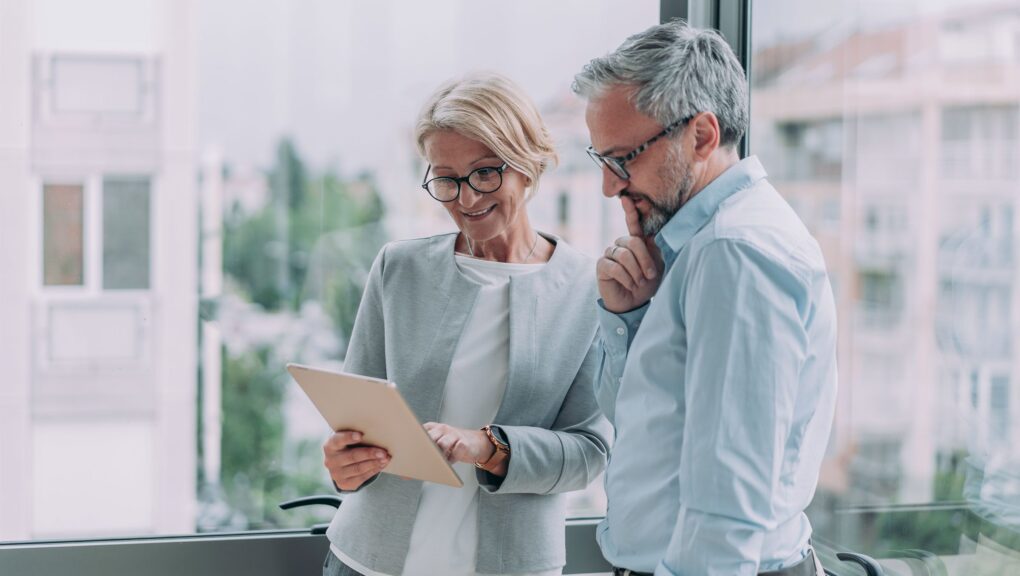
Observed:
{"x":466,"y":179}
{"x":616,"y":164}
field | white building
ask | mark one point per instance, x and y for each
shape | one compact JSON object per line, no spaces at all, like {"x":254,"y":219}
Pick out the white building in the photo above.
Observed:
{"x":98,"y":215}
{"x":899,"y":147}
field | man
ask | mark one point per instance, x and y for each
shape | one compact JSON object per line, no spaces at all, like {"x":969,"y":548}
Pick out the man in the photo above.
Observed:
{"x":718,"y":360}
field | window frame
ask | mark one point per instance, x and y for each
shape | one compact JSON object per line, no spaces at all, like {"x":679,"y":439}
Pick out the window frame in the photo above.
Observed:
{"x":270,"y":552}
{"x":93,"y":231}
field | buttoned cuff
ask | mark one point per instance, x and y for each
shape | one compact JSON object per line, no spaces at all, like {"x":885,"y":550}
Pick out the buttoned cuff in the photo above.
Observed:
{"x":618,"y":330}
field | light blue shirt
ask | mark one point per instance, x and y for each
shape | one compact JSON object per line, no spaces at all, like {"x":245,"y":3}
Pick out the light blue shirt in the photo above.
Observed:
{"x":722,"y":390}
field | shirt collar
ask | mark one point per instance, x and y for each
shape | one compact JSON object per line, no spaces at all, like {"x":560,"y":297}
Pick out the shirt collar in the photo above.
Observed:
{"x":693,"y":215}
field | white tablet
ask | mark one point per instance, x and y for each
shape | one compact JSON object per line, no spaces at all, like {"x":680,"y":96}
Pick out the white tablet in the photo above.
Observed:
{"x":376,"y":409}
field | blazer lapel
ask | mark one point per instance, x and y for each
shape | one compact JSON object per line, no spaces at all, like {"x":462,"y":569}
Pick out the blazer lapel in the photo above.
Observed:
{"x":451,"y":298}
{"x":524,"y":350}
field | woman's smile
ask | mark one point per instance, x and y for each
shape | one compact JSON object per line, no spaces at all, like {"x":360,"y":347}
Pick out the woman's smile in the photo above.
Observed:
{"x":478,"y":214}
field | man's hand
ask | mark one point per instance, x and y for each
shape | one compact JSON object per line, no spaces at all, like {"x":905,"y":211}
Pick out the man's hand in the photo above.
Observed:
{"x":630,"y":271}
{"x":350,"y":466}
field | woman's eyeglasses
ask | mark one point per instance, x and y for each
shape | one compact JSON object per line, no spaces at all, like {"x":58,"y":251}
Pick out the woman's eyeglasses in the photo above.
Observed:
{"x":484,"y":180}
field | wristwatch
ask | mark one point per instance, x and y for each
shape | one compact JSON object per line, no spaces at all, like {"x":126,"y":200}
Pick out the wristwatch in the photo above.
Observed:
{"x":501,"y":454}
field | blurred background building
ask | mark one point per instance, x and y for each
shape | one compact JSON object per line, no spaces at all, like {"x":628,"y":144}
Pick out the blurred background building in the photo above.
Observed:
{"x":99,"y":260}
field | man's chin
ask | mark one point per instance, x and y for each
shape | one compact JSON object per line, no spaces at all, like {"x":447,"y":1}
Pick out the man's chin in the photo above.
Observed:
{"x":652,"y":223}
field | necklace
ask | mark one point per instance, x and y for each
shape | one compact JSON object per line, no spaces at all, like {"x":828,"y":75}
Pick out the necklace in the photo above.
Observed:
{"x":534,"y":245}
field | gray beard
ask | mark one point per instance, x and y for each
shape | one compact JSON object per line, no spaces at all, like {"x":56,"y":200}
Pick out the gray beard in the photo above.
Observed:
{"x":661,"y":211}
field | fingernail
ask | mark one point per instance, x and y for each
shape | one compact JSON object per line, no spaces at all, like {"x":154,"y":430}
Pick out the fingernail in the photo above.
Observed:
{"x":380,"y":454}
{"x":652,"y":272}
{"x":356,"y":436}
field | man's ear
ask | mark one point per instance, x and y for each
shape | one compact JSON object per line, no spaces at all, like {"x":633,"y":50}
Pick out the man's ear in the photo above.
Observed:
{"x":704,"y":129}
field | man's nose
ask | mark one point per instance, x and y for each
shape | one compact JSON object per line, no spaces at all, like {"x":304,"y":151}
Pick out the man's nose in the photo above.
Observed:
{"x":612,"y":184}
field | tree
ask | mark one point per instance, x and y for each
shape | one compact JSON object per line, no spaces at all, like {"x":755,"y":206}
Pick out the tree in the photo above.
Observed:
{"x":312,"y":242}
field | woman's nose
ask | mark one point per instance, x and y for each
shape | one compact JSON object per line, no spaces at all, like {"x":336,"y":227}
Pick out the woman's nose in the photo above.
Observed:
{"x":468,"y":195}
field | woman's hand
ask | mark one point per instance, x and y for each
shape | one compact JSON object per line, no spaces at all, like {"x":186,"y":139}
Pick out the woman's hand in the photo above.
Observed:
{"x":350,"y":466}
{"x":629,"y":270}
{"x":460,"y":445}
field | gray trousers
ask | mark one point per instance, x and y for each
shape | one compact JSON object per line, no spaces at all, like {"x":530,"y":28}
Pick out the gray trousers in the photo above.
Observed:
{"x":334,"y":567}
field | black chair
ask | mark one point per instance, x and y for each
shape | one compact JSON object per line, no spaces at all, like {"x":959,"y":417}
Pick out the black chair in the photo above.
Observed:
{"x":328,"y":500}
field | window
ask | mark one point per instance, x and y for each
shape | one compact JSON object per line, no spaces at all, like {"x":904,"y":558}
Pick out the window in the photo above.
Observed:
{"x":209,"y":198}
{"x":125,"y":233}
{"x":63,"y":235}
{"x":924,"y":454}
{"x":79,"y":248}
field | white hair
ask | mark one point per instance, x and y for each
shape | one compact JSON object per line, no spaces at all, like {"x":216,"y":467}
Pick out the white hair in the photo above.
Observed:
{"x":677,"y":71}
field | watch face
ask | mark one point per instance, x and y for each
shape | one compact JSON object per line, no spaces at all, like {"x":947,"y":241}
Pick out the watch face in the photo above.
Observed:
{"x":496,"y":438}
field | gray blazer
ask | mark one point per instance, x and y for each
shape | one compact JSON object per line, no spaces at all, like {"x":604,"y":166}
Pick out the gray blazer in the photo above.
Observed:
{"x":411,"y":317}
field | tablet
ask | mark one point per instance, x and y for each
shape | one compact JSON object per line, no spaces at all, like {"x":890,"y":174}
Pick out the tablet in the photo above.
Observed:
{"x":376,"y":409}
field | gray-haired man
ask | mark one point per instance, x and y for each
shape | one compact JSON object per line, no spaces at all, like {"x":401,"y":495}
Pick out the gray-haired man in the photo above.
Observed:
{"x":722,"y":388}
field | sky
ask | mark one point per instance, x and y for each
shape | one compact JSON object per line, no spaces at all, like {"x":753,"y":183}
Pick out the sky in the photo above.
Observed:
{"x":346,"y":79}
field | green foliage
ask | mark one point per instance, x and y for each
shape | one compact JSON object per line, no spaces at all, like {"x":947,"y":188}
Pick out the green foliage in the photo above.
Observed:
{"x":936,"y":530}
{"x":268,"y":254}
{"x":252,"y":436}
{"x":313,"y":240}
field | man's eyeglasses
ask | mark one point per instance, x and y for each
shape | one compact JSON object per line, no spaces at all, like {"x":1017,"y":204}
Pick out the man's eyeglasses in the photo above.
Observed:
{"x":616,"y":163}
{"x":447,"y":188}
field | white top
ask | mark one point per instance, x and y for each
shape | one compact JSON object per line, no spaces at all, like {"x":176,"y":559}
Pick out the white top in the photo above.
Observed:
{"x":444,"y":539}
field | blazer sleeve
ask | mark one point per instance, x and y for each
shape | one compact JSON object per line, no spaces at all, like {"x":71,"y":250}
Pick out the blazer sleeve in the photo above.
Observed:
{"x":564,"y":458}
{"x":366,"y":351}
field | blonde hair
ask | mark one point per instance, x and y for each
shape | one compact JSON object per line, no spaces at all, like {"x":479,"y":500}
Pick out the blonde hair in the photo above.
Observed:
{"x":493,"y":110}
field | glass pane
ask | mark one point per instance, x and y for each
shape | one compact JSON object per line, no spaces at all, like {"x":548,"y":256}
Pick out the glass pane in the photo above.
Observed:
{"x":63,"y":235}
{"x":97,"y":85}
{"x":893,"y":128}
{"x":126,"y":233}
{"x":285,"y":146}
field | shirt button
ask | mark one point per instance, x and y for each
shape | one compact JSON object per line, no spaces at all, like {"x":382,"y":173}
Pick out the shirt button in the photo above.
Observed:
{"x":621,"y":331}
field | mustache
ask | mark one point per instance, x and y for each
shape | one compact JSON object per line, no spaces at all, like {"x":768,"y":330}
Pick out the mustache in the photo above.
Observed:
{"x":637,"y":196}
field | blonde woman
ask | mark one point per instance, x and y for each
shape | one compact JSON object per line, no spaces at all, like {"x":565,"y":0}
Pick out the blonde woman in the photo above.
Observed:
{"x":489,"y":334}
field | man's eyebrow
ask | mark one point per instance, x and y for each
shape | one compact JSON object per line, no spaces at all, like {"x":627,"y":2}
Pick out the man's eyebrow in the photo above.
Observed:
{"x":614,"y":151}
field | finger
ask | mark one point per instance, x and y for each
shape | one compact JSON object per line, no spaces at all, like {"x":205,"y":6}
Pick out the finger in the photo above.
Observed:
{"x":359,"y":480}
{"x":355,"y":482}
{"x":355,"y":455}
{"x":342,"y":439}
{"x":624,"y":257}
{"x":459,"y":451}
{"x":639,"y":250}
{"x":630,"y":211}
{"x":361,"y":469}
{"x":607,"y":269}
{"x":446,"y":444}
{"x":435,"y":433}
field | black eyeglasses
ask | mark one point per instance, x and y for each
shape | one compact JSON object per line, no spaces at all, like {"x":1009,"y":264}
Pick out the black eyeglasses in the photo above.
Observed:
{"x":484,"y":180}
{"x":616,"y":163}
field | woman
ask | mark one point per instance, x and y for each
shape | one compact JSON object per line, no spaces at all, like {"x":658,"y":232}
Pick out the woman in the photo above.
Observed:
{"x":489,"y":334}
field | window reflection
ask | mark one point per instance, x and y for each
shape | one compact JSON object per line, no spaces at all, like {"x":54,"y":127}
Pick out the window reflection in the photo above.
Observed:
{"x":906,"y":117}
